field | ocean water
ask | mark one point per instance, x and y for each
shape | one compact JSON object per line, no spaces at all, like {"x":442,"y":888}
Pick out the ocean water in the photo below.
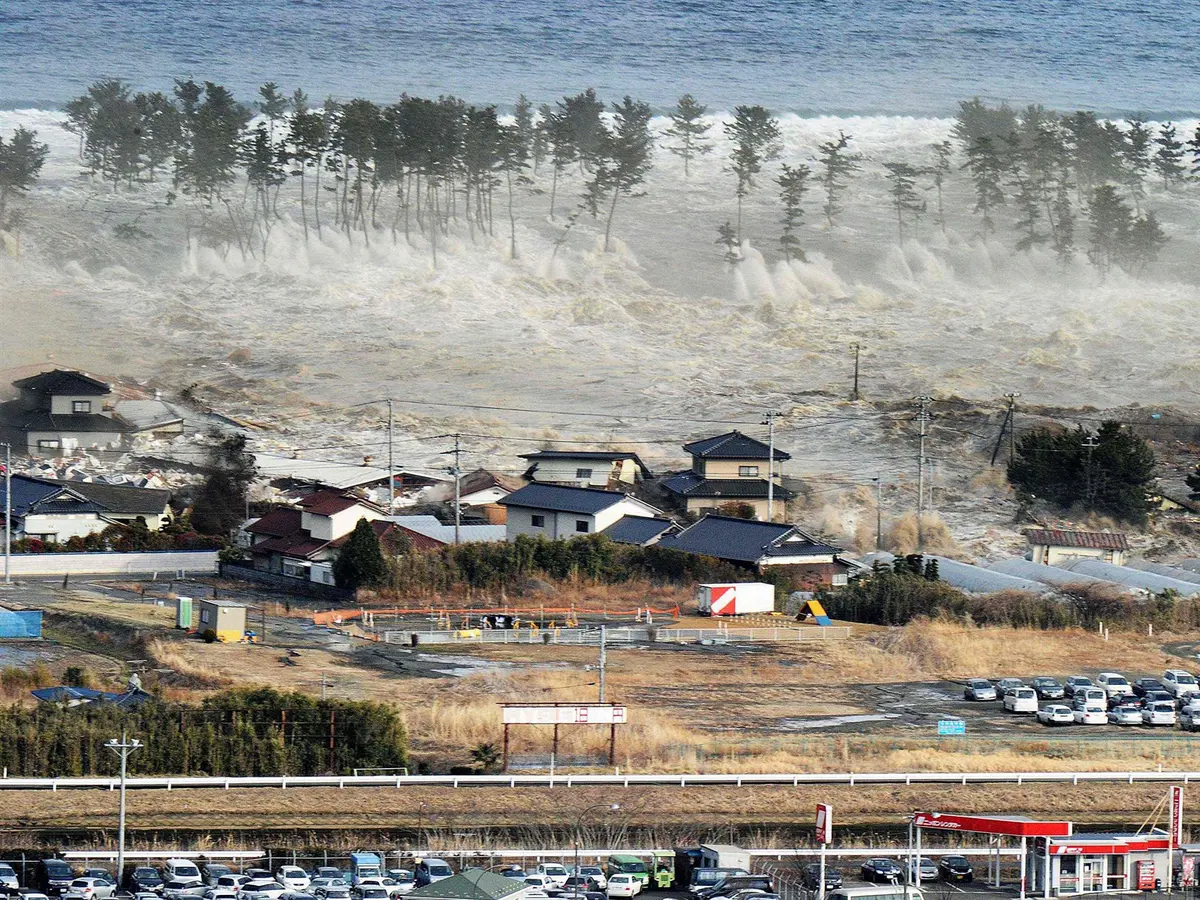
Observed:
{"x":897,"y":57}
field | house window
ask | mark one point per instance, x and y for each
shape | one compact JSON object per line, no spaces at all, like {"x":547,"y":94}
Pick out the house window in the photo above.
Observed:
{"x":583,"y":473}
{"x":294,"y":569}
{"x":747,"y":471}
{"x":840,"y":580}
{"x":204,"y":617}
{"x":581,"y":525}
{"x":81,"y":406}
{"x":537,"y":521}
{"x":49,"y":444}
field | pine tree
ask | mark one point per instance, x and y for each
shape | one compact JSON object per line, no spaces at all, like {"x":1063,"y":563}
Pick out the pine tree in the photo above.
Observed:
{"x":360,"y":562}
{"x":838,"y":166}
{"x":21,"y":161}
{"x":581,"y":117}
{"x":1146,"y":238}
{"x":987,"y":169}
{"x":514,"y":162}
{"x":1194,"y":146}
{"x":308,"y":140}
{"x":1109,"y":223}
{"x":273,"y":106}
{"x":689,"y":129}
{"x":523,"y":124}
{"x":221,"y":501}
{"x":755,"y":136}
{"x":1064,"y":224}
{"x":727,"y":238}
{"x":1168,"y":158}
{"x":793,"y":185}
{"x":943,"y":153}
{"x":1137,"y":159}
{"x":906,"y":202}
{"x":628,"y":155}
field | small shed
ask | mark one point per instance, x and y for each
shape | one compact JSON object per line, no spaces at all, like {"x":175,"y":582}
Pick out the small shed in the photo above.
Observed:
{"x":471,"y":884}
{"x":226,"y":618}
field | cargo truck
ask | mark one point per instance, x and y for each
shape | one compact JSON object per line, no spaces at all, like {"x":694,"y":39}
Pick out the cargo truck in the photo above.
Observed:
{"x":735,"y":599}
{"x":724,"y":856}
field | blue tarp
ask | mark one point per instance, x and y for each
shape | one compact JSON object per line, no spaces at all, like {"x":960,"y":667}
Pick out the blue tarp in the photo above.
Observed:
{"x":25,"y":623}
{"x":76,"y":695}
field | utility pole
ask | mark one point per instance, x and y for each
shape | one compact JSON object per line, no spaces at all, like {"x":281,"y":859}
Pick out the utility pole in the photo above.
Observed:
{"x":122,"y":748}
{"x":457,"y":473}
{"x":922,"y":402}
{"x":1012,"y":425}
{"x":878,"y":512}
{"x":391,"y":477}
{"x":8,"y":513}
{"x":770,"y":423}
{"x":603,"y":657}
{"x":856,"y":347}
{"x":1090,"y":444}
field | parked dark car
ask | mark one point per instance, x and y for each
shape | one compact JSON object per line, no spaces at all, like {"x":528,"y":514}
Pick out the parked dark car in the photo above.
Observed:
{"x":879,"y":868}
{"x":1048,"y":688}
{"x":810,"y":876}
{"x":955,"y":868}
{"x":1147,"y":684}
{"x":53,"y":876}
{"x":516,"y":873}
{"x":1151,"y":697}
{"x":731,"y":884}
{"x":143,"y":878}
{"x":212,"y":871}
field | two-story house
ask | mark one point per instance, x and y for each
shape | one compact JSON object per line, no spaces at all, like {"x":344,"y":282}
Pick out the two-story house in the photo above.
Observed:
{"x":730,"y":468}
{"x":62,"y":411}
{"x":560,"y":512}
{"x":585,"y":468}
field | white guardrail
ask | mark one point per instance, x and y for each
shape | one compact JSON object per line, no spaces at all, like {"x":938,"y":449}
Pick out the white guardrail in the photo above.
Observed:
{"x":591,"y":636}
{"x":183,"y":782}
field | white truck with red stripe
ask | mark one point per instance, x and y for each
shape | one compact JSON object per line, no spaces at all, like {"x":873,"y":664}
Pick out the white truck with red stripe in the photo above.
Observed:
{"x":735,"y":599}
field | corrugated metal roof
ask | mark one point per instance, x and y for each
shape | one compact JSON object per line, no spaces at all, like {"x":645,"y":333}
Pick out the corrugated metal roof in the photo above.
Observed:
{"x":1168,"y":571}
{"x":320,"y":471}
{"x":1131,"y":577}
{"x":432,"y":528}
{"x":978,"y":580}
{"x":733,"y":445}
{"x":560,"y":498}
{"x":1052,"y":575}
{"x":470,"y":884}
{"x":1092,"y":540}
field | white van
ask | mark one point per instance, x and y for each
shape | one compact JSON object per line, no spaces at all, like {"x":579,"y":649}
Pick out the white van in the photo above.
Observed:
{"x":876,"y":892}
{"x":181,"y":870}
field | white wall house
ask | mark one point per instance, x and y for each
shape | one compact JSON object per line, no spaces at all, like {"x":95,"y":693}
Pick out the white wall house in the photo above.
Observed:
{"x":559,"y":512}
{"x":585,"y":468}
{"x":1052,"y":547}
{"x":62,"y":410}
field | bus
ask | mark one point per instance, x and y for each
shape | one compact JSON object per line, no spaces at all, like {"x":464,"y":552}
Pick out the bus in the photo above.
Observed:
{"x":622,"y":864}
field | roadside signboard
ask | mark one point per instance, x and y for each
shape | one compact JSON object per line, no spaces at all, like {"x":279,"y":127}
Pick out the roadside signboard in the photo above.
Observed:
{"x":824,"y":823}
{"x":1176,"y":815}
{"x":583,"y":714}
{"x":951,"y":726}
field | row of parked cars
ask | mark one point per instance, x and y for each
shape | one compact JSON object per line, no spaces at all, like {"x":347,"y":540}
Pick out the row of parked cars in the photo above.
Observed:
{"x":1109,"y":699}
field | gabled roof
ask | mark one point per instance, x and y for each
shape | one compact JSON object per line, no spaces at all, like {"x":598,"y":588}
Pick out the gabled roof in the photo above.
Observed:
{"x":13,"y":415}
{"x":26,"y":492}
{"x":561,"y":498}
{"x":470,"y":884}
{"x":744,"y":540}
{"x":297,"y":545}
{"x":638,"y":530}
{"x":482,"y":479}
{"x":689,"y":484}
{"x":64,"y":381}
{"x":733,"y":445}
{"x":318,"y":471}
{"x":328,"y":503}
{"x":147,"y":415}
{"x":1092,"y":540}
{"x":608,"y":456}
{"x":431,"y":530}
{"x":118,"y":498}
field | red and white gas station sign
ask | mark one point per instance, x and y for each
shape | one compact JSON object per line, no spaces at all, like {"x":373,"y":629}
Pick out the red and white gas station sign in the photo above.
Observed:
{"x":1004,"y":825}
{"x":1177,"y":815}
{"x":824,"y":823}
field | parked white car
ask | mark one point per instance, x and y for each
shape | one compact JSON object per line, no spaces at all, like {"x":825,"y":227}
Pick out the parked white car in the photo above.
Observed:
{"x":293,"y":878}
{"x":90,"y":889}
{"x":1090,"y":714}
{"x":232,"y":882}
{"x":1125,"y":714}
{"x":624,"y":886}
{"x":1021,"y":700}
{"x":8,"y":876}
{"x":1159,"y":713}
{"x":181,"y":889}
{"x":1093,"y":695}
{"x":1115,"y":685}
{"x":262,"y":889}
{"x":543,"y":883}
{"x":1178,"y":682}
{"x":1056,"y":714}
{"x":217,"y":893}
{"x":554,"y":871}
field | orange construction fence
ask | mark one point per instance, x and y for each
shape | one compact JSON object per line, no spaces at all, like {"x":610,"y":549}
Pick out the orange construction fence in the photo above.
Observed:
{"x":337,"y":616}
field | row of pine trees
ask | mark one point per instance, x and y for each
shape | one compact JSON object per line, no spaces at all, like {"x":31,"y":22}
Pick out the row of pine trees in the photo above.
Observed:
{"x":1073,"y":183}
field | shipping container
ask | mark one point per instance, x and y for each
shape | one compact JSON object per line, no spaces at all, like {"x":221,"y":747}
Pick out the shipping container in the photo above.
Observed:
{"x":735,"y":599}
{"x":725,"y":856}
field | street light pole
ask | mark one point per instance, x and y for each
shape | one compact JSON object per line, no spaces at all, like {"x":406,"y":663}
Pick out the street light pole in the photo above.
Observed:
{"x":8,"y":513}
{"x":122,"y":748}
{"x":612,"y":807}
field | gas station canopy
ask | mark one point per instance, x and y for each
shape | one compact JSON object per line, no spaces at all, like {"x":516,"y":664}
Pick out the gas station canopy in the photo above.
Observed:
{"x":1010,"y":826}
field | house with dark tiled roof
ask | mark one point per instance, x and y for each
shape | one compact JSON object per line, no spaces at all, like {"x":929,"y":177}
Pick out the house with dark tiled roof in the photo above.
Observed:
{"x":55,"y":511}
{"x":730,"y":468}
{"x":764,"y":545}
{"x":60,"y":412}
{"x":303,"y":541}
{"x":559,"y":512}
{"x":585,"y":468}
{"x":1052,"y":546}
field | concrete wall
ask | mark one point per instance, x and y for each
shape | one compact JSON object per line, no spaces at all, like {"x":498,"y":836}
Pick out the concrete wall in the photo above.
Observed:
{"x":330,"y":528}
{"x":728,"y":468}
{"x":562,"y":526}
{"x":63,"y":525}
{"x":166,"y":563}
{"x":563,"y":471}
{"x":70,"y":440}
{"x":702,"y":505}
{"x":1055,"y":556}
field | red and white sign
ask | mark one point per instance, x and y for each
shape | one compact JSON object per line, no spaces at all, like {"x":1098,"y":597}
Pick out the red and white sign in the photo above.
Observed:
{"x":824,"y":823}
{"x":581,"y":714}
{"x":735,"y":599}
{"x":1082,"y":846}
{"x":1006,"y":825}
{"x":1177,"y":815}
